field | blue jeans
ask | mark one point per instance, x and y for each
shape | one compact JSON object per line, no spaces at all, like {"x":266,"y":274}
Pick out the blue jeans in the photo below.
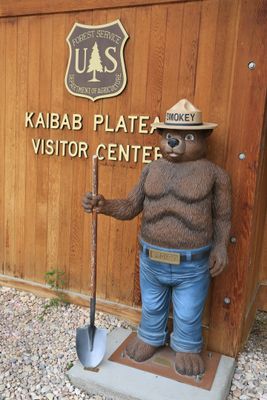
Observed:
{"x":187,"y":285}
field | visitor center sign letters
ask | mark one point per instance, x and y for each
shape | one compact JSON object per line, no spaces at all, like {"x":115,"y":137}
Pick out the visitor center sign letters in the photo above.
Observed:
{"x":96,"y":70}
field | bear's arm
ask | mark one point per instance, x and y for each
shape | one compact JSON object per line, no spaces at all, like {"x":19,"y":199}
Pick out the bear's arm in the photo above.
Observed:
{"x":126,"y":209}
{"x":221,"y":208}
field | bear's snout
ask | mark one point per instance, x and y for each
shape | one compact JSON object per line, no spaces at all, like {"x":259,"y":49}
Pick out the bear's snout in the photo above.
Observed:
{"x":174,"y":142}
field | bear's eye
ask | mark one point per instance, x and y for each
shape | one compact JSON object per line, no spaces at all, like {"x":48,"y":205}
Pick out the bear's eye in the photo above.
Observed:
{"x":168,"y":136}
{"x":190,"y":136}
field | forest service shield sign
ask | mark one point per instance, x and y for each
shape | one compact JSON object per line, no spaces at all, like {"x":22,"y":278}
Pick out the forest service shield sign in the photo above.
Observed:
{"x":96,"y":66}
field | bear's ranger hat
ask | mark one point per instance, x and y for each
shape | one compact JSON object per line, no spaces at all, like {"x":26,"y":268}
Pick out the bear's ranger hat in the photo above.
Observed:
{"x":184,"y":116}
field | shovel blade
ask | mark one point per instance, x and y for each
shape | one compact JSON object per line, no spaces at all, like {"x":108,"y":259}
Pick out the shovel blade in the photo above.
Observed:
{"x":91,"y":356}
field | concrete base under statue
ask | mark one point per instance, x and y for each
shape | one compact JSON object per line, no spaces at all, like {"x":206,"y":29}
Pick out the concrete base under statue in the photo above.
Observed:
{"x":118,"y":380}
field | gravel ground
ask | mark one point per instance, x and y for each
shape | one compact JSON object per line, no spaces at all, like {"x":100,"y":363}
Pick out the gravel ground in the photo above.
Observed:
{"x":36,"y":351}
{"x":250,"y":378}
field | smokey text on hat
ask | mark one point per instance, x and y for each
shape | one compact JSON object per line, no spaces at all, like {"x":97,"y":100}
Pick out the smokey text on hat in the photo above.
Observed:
{"x":180,"y":117}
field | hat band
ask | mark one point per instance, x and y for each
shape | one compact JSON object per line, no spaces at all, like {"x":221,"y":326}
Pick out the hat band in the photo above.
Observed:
{"x":170,"y":123}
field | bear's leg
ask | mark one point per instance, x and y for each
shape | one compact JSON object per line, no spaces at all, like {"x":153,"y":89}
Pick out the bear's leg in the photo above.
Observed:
{"x":186,"y":340}
{"x":156,"y":296}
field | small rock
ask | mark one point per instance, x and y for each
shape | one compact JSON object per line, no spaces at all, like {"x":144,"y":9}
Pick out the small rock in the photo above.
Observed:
{"x":45,"y":389}
{"x":34,"y":396}
{"x":237,"y":376}
{"x":239,"y":385}
{"x":237,"y":393}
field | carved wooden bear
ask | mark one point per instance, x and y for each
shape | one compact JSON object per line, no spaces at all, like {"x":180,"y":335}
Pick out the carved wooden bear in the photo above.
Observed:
{"x":186,"y":205}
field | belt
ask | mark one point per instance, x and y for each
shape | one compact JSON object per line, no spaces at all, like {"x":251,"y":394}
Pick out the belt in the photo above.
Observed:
{"x":172,"y":257}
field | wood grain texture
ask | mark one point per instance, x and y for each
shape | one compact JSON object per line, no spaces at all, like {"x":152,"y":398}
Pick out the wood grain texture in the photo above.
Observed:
{"x":53,"y":183}
{"x":42,"y":164}
{"x":172,"y":53}
{"x":249,"y":95}
{"x":129,"y":230}
{"x":138,"y":105}
{"x":263,"y":260}
{"x":20,"y":144}
{"x":66,"y":176}
{"x":2,"y":144}
{"x":189,"y":50}
{"x":260,"y":248}
{"x":258,"y":262}
{"x":196,"y":49}
{"x":10,"y":148}
{"x":262,"y":297}
{"x":256,"y":298}
{"x":31,"y":7}
{"x":34,"y":30}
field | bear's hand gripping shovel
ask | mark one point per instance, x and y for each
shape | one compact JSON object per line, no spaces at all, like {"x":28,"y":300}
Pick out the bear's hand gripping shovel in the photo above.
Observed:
{"x":91,"y":341}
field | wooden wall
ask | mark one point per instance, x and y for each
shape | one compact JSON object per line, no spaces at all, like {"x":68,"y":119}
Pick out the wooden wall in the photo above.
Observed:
{"x":263,"y":260}
{"x":194,"y":49}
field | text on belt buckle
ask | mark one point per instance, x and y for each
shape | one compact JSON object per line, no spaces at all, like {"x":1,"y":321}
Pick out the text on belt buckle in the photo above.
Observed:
{"x":164,"y":256}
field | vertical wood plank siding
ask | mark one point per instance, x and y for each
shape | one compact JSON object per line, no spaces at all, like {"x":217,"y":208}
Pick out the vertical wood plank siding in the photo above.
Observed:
{"x":196,"y":49}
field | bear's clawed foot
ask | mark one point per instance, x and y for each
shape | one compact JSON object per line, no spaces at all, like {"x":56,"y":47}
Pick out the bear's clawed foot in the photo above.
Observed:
{"x":140,"y":351}
{"x":189,"y":364}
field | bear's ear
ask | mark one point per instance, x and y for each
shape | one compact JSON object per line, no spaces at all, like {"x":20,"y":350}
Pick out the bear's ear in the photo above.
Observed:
{"x":206,"y":132}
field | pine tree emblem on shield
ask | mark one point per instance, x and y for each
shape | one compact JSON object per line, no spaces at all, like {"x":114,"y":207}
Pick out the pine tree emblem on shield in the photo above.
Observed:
{"x":96,"y":67}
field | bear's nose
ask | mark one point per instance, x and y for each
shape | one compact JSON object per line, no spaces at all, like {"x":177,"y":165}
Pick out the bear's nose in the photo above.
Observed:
{"x":173,"y":142}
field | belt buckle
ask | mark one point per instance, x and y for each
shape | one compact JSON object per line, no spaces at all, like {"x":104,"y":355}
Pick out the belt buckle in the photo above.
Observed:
{"x":164,"y":256}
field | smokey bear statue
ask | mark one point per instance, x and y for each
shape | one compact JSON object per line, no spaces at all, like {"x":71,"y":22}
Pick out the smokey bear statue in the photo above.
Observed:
{"x":186,"y":205}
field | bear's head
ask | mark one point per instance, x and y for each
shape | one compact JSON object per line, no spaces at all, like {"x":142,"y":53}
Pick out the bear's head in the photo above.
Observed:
{"x":183,"y":145}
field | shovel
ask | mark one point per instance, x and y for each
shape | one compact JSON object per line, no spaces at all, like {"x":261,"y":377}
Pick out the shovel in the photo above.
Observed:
{"x":90,"y":341}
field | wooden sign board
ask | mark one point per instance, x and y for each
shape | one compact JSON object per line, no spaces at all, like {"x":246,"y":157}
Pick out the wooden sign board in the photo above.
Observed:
{"x":198,"y":50}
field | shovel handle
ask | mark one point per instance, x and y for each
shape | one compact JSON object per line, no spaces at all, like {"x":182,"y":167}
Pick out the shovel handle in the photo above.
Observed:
{"x":94,"y":232}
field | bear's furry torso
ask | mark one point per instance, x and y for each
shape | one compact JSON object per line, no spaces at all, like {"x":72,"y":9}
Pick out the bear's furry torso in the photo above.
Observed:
{"x":177,"y":208}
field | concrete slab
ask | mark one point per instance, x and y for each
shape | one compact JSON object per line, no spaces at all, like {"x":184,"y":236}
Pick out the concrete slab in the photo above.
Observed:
{"x":120,"y":382}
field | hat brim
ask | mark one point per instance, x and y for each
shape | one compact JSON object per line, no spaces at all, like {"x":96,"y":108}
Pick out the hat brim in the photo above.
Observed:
{"x":204,"y":125}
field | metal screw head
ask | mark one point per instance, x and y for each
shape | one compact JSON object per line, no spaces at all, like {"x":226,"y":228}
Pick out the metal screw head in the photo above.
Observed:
{"x":227,"y":300}
{"x":251,"y":65}
{"x":233,"y":239}
{"x":210,"y":354}
{"x":242,"y":156}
